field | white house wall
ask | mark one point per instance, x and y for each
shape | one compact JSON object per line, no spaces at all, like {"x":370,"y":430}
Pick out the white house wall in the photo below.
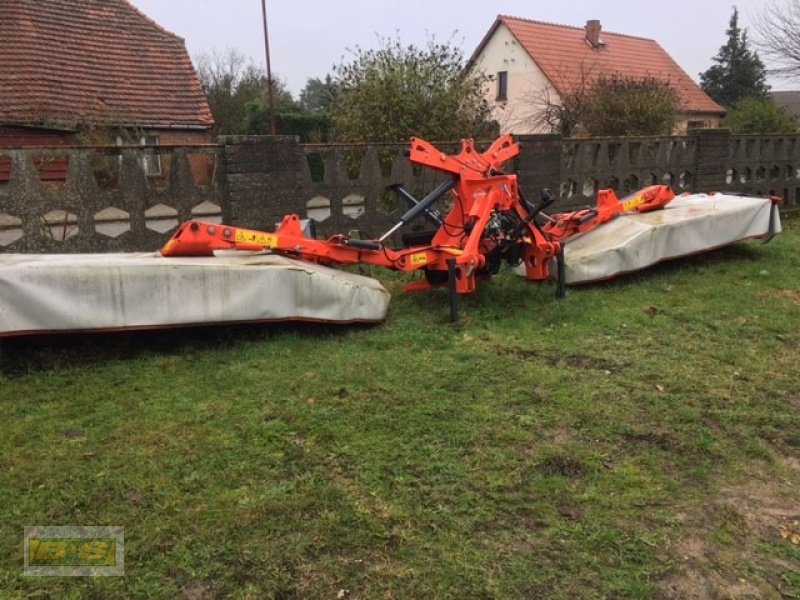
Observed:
{"x":526,"y":83}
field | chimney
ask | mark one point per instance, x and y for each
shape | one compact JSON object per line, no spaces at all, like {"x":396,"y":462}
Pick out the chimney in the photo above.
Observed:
{"x":593,"y":29}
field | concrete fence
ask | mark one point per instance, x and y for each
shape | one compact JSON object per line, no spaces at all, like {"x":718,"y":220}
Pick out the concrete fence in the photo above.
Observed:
{"x":107,"y":199}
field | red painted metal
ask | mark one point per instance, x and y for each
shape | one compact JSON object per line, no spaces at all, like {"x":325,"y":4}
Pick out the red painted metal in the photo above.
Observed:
{"x":565,"y":225}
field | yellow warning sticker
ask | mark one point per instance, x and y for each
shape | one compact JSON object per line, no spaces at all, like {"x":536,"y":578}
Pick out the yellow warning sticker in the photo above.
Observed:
{"x":420,"y":258}
{"x":633,"y":203}
{"x":245,"y":236}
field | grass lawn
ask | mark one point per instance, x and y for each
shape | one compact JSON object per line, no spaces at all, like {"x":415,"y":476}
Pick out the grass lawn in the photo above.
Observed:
{"x":638,"y":439}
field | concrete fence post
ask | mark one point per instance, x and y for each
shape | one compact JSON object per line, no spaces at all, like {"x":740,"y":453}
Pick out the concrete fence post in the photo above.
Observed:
{"x":539,"y":164}
{"x":262,"y":177}
{"x":712,"y":148}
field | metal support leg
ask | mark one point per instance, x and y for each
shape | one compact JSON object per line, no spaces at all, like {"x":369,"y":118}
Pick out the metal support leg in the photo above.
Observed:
{"x":451,"y":288}
{"x":561,"y":283}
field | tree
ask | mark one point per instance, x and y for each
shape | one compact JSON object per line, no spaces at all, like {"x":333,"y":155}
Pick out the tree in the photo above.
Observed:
{"x":317,"y":96}
{"x":778,"y":36}
{"x":309,"y":127}
{"x":593,"y":103}
{"x":738,"y":72}
{"x":396,"y":91}
{"x":563,"y":113}
{"x":308,"y":119}
{"x":759,"y":116}
{"x":617,"y":105}
{"x":230,"y":82}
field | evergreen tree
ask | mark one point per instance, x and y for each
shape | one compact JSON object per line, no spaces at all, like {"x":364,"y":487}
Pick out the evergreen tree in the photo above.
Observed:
{"x":738,"y":72}
{"x":317,"y":96}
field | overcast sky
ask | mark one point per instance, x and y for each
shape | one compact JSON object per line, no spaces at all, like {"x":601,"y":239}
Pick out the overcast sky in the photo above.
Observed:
{"x":307,"y":37}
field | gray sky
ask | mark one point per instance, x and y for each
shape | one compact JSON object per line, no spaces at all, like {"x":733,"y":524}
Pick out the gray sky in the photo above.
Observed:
{"x":307,"y":37}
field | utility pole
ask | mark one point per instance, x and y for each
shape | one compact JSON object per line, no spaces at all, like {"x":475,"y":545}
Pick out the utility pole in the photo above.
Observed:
{"x":270,"y":93}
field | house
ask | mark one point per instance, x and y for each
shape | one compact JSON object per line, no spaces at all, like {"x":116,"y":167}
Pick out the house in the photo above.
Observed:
{"x":534,"y":64}
{"x":95,"y":71}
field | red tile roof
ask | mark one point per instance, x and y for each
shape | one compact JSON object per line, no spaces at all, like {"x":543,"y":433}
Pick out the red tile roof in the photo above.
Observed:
{"x":562,"y":53}
{"x":73,"y":61}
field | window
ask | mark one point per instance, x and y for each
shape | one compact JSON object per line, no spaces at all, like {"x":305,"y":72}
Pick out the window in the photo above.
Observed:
{"x":502,"y":85}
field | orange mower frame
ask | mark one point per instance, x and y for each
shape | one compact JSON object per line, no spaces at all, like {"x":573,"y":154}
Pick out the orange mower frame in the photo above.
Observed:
{"x":488,"y":223}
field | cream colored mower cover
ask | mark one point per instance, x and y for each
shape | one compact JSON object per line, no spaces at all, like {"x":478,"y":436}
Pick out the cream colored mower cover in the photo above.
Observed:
{"x":46,"y":293}
{"x":687,"y":225}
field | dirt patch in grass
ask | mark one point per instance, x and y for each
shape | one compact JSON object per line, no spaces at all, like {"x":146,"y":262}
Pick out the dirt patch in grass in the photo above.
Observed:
{"x":584,"y":361}
{"x":663,"y":440}
{"x":736,"y":545}
{"x":566,"y":466}
{"x":73,"y":434}
{"x":784,"y":295}
{"x":197,"y":590}
{"x":578,"y":361}
{"x":792,"y":295}
{"x":520,"y":353}
{"x":570,"y":512}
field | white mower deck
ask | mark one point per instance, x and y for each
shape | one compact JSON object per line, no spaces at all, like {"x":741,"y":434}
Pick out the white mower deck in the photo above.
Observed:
{"x":41,"y":293}
{"x":688,"y":225}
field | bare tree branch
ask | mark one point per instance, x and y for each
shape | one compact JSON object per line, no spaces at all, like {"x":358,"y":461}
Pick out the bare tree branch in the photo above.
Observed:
{"x":230,"y":81}
{"x":562,"y":113}
{"x":592,"y":102}
{"x":777,"y":29}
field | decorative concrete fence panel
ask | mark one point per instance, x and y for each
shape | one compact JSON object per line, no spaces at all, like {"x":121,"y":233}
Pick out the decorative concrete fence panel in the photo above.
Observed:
{"x":106,"y":199}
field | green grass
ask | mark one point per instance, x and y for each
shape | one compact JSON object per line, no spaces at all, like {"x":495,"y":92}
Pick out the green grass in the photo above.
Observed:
{"x":638,"y":439}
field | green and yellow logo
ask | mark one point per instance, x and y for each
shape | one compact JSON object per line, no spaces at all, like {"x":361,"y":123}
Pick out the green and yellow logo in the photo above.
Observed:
{"x":72,"y":552}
